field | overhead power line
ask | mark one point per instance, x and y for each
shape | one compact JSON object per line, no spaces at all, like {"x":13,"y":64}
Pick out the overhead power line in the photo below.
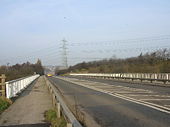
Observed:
{"x":126,"y":41}
{"x":101,"y":47}
{"x":64,"y":53}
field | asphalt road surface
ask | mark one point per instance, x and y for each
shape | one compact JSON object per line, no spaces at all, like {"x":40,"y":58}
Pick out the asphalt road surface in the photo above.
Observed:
{"x":117,"y":110}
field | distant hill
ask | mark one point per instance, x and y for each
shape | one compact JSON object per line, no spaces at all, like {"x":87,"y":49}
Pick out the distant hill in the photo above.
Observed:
{"x":154,"y":62}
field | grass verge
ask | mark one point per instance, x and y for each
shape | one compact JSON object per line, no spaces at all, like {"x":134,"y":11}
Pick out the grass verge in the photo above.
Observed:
{"x":4,"y":104}
{"x":51,"y":116}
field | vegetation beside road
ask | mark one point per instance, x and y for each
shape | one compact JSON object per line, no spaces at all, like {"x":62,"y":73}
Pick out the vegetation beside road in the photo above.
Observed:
{"x":51,"y":116}
{"x":154,"y":62}
{"x":4,"y":104}
{"x":21,"y":70}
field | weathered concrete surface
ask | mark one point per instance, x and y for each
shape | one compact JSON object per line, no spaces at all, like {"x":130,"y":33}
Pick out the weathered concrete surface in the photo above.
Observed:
{"x":29,"y":108}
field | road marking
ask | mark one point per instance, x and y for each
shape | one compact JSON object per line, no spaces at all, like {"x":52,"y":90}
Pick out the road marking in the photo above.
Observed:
{"x":155,"y":99}
{"x":151,"y":95}
{"x":102,"y":85}
{"x":167,"y":105}
{"x":127,"y":93}
{"x":148,"y":104}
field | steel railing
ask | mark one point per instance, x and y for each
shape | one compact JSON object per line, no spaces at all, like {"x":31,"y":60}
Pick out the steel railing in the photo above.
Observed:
{"x":164,"y":77}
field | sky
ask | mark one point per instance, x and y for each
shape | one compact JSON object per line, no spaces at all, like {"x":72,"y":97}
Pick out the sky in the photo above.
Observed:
{"x":94,"y":29}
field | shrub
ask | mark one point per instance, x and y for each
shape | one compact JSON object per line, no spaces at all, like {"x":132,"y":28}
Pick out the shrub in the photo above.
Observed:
{"x":4,"y":103}
{"x":51,"y":116}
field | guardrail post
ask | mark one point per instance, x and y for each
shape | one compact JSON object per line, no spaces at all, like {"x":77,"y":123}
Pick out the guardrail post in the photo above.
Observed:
{"x":53,"y":99}
{"x":164,"y":81}
{"x":2,"y":84}
{"x":58,"y":110}
{"x":69,"y":125}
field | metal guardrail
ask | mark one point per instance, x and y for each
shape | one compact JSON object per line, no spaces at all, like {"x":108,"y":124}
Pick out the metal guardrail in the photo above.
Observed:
{"x":164,"y":77}
{"x":16,"y":86}
{"x":58,"y":101}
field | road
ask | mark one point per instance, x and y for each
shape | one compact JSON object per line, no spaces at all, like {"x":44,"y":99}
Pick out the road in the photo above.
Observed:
{"x":114,"y":109}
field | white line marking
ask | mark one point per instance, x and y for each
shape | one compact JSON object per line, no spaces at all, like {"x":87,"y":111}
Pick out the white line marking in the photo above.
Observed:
{"x":126,"y":93}
{"x":167,"y":105}
{"x":148,"y":104}
{"x":102,"y":85}
{"x":133,"y":95}
{"x":154,"y":99}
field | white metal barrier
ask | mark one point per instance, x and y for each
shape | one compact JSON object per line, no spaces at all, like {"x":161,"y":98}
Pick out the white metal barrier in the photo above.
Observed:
{"x":165,"y":77}
{"x":16,"y":86}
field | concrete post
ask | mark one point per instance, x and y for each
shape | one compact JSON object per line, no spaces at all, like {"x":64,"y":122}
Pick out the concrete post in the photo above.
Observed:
{"x":69,"y":125}
{"x":53,"y":100}
{"x":58,"y":110}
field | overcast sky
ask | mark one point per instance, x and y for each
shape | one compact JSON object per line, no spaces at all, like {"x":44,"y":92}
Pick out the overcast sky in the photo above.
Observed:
{"x":94,"y":29}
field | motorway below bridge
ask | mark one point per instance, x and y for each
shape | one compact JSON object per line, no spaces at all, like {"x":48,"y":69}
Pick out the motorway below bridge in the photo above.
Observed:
{"x":117,"y":104}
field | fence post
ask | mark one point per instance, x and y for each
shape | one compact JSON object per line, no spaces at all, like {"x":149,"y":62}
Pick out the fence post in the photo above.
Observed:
{"x":3,"y":85}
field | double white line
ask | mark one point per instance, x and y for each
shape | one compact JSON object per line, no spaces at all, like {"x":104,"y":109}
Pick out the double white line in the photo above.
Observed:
{"x":148,"y":104}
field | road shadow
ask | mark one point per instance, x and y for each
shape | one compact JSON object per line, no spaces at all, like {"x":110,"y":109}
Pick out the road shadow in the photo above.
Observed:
{"x":30,"y":125}
{"x":25,"y":92}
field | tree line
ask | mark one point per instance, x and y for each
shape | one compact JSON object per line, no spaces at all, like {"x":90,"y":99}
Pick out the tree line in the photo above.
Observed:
{"x":154,"y":62}
{"x":21,"y":70}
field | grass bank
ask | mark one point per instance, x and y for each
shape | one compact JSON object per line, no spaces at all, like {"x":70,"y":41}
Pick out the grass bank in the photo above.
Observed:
{"x":4,"y":103}
{"x":51,"y":116}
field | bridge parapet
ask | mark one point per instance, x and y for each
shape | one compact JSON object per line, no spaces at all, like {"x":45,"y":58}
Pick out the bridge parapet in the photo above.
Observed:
{"x":163,"y":77}
{"x":16,"y":86}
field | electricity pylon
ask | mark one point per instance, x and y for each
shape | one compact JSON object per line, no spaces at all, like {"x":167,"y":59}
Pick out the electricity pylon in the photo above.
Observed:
{"x":64,"y":57}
